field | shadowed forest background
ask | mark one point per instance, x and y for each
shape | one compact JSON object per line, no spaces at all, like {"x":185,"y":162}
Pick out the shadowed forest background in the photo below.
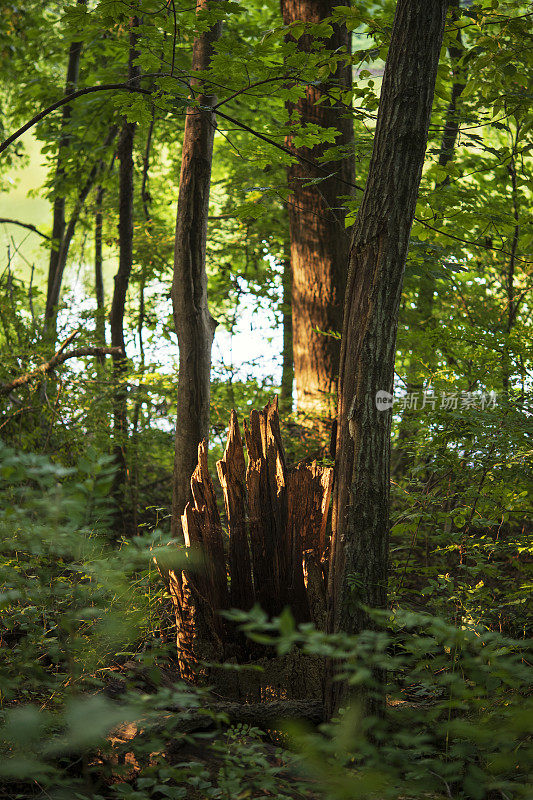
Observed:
{"x":265,"y":418}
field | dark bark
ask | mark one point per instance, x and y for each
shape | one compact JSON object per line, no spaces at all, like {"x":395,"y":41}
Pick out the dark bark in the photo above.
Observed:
{"x":266,"y":484}
{"x":122,"y":278}
{"x":512,"y":303}
{"x":137,"y":408}
{"x":194,"y":324}
{"x":58,"y":213}
{"x":145,"y":194}
{"x":359,"y":552}
{"x":98,"y":268}
{"x":231,"y":473}
{"x":266,"y":715}
{"x":319,"y":240}
{"x":287,"y":374}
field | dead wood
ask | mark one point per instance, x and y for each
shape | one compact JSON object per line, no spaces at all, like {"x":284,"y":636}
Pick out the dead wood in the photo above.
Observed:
{"x":259,"y":715}
{"x":231,"y":473}
{"x":273,"y":553}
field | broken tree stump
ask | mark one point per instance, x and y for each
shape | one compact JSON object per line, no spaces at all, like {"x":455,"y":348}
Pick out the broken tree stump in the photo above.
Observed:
{"x":271,"y":553}
{"x":232,"y":473}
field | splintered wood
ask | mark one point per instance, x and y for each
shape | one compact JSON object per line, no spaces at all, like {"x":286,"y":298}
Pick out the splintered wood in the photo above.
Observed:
{"x":271,"y":553}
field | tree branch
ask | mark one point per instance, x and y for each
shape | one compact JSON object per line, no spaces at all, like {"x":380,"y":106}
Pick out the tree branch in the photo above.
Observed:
{"x":59,"y":358}
{"x":53,"y":298}
{"x":27,"y":225}
{"x":105,"y":87}
{"x":125,"y":87}
{"x":283,"y":149}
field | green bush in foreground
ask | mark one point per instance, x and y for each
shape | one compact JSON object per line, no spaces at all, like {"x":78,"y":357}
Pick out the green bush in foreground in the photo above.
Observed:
{"x":457,"y":722}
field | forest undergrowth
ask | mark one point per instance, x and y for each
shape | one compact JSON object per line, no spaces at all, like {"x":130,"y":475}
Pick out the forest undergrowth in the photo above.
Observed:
{"x":92,"y":708}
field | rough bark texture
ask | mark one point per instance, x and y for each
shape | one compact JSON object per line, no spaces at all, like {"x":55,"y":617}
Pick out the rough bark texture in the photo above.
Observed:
{"x":98,"y":268}
{"x":266,"y":481}
{"x":125,"y":230}
{"x":287,"y":374}
{"x":200,"y":595}
{"x":261,"y":715}
{"x":359,"y":553}
{"x":194,"y":324}
{"x":309,"y":492}
{"x":122,"y":279}
{"x":319,"y":241}
{"x":58,"y":221}
{"x":275,"y":558}
{"x":231,"y":474}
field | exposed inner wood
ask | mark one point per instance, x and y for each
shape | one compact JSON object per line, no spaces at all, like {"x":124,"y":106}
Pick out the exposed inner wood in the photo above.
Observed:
{"x":270,"y":551}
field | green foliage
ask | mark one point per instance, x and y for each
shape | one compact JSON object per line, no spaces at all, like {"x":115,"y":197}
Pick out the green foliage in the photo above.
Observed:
{"x":69,"y":602}
{"x":457,"y":720}
{"x":77,"y":600}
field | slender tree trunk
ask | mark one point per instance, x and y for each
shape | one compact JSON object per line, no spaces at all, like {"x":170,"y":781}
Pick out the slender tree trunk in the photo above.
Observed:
{"x":287,"y":374}
{"x":319,"y":240}
{"x":98,"y":267}
{"x":428,"y":282}
{"x":70,"y":230}
{"x":359,"y":552}
{"x":122,"y":278}
{"x":512,"y":305}
{"x":98,"y":270}
{"x":137,"y":416}
{"x":58,"y":222}
{"x":194,"y":325}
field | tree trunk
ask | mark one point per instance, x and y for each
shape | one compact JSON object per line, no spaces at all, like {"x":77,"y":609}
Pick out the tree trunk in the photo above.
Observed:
{"x":137,"y":407}
{"x":319,"y":240}
{"x":122,"y":278}
{"x":359,"y":552}
{"x":512,"y":303}
{"x":265,"y":715}
{"x":98,"y":268}
{"x":194,"y":325}
{"x":58,"y":223}
{"x":287,"y":374}
{"x":70,"y":230}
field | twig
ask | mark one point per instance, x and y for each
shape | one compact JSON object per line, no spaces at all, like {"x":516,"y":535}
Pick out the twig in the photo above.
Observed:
{"x":448,"y":792}
{"x":26,"y":225}
{"x":105,"y":87}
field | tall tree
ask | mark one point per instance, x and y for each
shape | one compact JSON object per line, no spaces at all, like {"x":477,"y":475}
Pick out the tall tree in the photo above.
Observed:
{"x":98,"y":266}
{"x":195,"y":327}
{"x":359,"y":553}
{"x":122,"y":277}
{"x":70,"y":230}
{"x":58,"y":213}
{"x":319,"y":241}
{"x":509,"y":279}
{"x":287,"y":372}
